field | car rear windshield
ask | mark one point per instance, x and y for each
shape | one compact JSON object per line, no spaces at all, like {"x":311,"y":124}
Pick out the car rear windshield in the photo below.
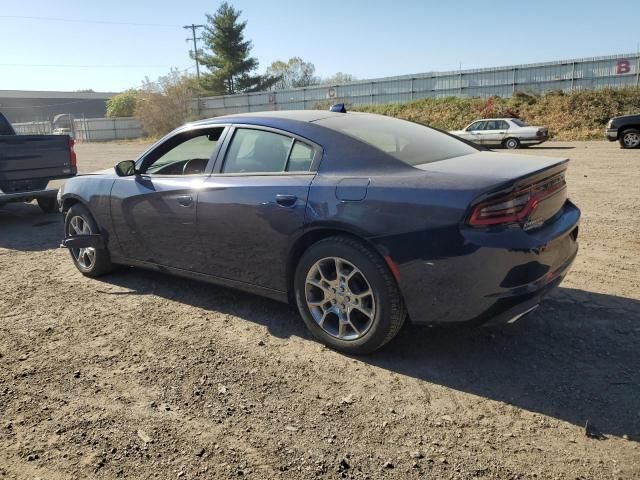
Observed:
{"x":410,"y":142}
{"x":519,"y":122}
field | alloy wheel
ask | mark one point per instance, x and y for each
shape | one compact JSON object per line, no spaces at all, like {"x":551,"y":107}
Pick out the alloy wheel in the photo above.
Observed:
{"x":340,"y":298}
{"x":631,"y":139}
{"x":85,"y":257}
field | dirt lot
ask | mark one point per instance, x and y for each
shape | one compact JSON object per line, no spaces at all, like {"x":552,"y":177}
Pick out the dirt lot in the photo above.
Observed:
{"x":140,"y":375}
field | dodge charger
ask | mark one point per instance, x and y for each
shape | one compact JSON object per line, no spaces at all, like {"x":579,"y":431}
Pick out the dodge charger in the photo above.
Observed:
{"x":360,"y":221}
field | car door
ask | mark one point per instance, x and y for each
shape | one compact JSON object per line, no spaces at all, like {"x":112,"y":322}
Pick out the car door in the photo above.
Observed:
{"x":494,"y":132}
{"x":473,"y":132}
{"x":154,"y":212}
{"x":254,"y":203}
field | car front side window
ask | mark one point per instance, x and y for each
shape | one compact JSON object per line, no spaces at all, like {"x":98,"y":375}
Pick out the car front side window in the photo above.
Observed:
{"x":185,"y":154}
{"x":476,"y":126}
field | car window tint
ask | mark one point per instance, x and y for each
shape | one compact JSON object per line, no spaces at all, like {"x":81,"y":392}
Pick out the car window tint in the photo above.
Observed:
{"x":301,"y":158}
{"x":409,"y":142}
{"x":503,"y":125}
{"x":256,"y":151}
{"x":188,"y":157}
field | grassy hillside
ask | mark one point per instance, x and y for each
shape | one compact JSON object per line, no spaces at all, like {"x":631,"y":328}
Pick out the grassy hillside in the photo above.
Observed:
{"x":569,"y":116}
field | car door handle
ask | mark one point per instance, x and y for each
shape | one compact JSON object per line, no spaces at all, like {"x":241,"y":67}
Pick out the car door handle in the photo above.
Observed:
{"x":286,"y":200}
{"x":185,"y":200}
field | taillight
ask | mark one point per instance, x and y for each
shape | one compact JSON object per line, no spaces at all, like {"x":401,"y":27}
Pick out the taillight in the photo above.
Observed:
{"x":515,"y":206}
{"x":72,"y":152}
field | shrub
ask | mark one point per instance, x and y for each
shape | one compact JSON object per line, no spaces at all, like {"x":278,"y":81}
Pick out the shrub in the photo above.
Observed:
{"x":166,"y":103}
{"x":123,"y":104}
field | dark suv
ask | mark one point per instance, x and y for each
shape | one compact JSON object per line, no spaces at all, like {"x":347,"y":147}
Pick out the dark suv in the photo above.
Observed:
{"x":625,"y":129}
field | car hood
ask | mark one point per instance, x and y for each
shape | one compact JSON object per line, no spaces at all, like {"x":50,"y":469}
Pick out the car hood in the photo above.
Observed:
{"x":105,"y":172}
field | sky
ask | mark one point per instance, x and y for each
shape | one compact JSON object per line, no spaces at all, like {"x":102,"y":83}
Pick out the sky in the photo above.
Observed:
{"x":113,"y":45}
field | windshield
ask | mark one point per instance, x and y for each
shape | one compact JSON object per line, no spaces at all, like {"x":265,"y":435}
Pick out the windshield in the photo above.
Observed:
{"x":519,"y":122}
{"x":409,"y":142}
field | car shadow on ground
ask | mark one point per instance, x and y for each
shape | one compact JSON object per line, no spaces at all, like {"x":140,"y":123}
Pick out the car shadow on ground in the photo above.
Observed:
{"x":576,"y":358}
{"x":535,"y":147}
{"x":24,"y":227}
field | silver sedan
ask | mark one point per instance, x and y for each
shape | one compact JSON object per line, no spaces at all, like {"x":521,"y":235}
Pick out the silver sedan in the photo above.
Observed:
{"x":506,"y":132}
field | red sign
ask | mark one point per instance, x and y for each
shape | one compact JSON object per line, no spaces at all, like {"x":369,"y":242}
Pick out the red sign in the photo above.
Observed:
{"x":623,"y":66}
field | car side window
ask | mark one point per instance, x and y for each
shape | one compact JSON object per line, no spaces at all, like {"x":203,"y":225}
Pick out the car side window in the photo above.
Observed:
{"x":492,"y":125}
{"x":301,"y":157}
{"x":504,"y":125}
{"x":476,"y":126}
{"x":257,"y":151}
{"x":185,"y":154}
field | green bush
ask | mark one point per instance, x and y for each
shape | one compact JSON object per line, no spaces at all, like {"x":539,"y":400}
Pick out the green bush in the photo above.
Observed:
{"x":579,"y":115}
{"x":123,"y":104}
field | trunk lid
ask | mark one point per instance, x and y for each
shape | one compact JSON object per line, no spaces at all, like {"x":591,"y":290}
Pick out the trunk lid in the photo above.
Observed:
{"x":512,"y":189}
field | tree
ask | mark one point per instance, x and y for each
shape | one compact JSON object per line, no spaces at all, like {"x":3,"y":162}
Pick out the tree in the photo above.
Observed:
{"x":294,"y":73}
{"x":338,"y":78}
{"x":166,"y":103}
{"x":227,"y":55}
{"x":123,"y":104}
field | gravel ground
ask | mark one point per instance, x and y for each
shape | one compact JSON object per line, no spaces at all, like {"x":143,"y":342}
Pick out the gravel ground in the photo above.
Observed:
{"x":142,"y":375}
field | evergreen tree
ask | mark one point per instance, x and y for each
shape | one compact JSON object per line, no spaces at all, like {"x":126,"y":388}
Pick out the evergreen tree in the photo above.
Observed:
{"x":227,"y":55}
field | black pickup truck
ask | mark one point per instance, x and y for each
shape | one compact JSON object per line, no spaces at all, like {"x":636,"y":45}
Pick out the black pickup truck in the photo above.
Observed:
{"x":29,"y":162}
{"x":625,"y":129}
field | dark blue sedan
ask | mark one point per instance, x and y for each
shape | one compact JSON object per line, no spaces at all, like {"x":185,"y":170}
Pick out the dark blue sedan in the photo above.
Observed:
{"x":360,"y":220}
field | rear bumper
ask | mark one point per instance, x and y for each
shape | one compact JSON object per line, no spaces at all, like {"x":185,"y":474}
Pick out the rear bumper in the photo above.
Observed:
{"x":22,"y":196}
{"x":486,"y":276}
{"x":611,"y":134}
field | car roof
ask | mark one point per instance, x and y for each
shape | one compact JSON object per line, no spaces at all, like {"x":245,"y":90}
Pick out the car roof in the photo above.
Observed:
{"x":295,"y":115}
{"x":489,"y":119}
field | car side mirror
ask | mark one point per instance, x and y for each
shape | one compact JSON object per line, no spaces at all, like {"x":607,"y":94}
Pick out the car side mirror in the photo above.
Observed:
{"x":126,"y":168}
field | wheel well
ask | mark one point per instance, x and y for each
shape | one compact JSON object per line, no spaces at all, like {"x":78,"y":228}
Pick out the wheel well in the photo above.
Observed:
{"x":621,"y":130}
{"x":68,"y":203}
{"x":304,"y":242}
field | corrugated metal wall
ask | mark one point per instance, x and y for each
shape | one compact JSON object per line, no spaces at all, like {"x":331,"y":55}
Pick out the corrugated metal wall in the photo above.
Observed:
{"x":89,"y":129}
{"x":567,"y":75}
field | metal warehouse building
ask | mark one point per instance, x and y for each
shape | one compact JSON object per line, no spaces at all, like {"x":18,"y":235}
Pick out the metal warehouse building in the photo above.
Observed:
{"x":27,"y":106}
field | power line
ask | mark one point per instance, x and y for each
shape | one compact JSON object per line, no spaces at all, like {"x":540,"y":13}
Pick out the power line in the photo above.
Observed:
{"x":76,"y":20}
{"x":62,"y":65}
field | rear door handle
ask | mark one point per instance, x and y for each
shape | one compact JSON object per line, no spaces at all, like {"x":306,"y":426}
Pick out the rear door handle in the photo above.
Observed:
{"x":286,"y":200}
{"x":185,"y":200}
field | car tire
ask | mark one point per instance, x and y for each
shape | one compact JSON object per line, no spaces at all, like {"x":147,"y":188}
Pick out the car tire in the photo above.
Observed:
{"x":511,"y":143}
{"x":367,"y":314}
{"x":48,"y":204}
{"x":630,"y":138}
{"x":92,"y":262}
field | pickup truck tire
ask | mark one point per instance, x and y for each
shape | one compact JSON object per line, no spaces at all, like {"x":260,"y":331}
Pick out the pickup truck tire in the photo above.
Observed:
{"x":511,"y":143}
{"x":630,"y":138}
{"x":48,"y":204}
{"x":92,"y":262}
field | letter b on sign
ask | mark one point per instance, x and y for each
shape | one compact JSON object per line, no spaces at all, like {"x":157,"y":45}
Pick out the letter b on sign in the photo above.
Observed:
{"x":623,"y":66}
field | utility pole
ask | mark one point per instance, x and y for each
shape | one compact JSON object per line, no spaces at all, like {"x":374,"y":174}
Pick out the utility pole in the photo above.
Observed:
{"x":195,"y":39}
